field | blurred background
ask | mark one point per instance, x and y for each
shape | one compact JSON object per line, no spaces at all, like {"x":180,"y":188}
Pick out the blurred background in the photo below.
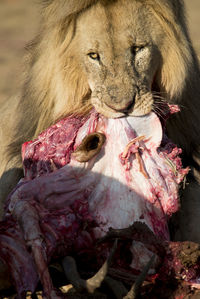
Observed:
{"x":19,"y":20}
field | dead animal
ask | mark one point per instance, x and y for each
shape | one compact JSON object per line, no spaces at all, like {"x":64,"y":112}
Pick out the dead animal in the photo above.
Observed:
{"x":87,"y":182}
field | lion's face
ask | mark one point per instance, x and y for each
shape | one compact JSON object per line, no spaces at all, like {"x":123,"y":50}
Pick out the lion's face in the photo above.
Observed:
{"x":119,"y":57}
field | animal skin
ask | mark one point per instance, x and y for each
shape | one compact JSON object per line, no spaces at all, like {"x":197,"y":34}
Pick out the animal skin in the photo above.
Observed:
{"x":77,"y":190}
{"x":122,"y":57}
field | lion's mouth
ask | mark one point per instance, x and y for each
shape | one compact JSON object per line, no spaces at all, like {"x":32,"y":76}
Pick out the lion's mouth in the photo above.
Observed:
{"x":125,"y":109}
{"x":141,"y":107}
{"x":104,"y":109}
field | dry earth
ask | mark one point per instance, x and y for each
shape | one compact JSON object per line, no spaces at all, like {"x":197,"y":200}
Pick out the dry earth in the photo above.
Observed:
{"x":18,"y":23}
{"x":19,"y":20}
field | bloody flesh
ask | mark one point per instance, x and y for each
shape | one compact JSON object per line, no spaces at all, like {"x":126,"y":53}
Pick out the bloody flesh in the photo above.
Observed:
{"x":62,"y":206}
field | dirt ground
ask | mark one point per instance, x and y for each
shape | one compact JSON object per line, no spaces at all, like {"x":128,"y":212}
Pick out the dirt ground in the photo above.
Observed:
{"x":19,"y":20}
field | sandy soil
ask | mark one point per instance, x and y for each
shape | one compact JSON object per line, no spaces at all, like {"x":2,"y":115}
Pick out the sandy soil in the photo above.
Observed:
{"x":18,"y":24}
{"x":19,"y":20}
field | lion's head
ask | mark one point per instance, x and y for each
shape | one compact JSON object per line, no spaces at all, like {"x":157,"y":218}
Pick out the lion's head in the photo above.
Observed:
{"x":117,"y":55}
{"x":120,"y":56}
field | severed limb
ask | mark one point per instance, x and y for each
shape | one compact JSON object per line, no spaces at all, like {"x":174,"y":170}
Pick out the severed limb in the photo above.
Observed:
{"x":28,"y":219}
{"x":91,"y":284}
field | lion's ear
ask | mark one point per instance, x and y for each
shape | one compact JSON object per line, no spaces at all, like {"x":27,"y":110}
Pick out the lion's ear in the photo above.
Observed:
{"x":61,"y":9}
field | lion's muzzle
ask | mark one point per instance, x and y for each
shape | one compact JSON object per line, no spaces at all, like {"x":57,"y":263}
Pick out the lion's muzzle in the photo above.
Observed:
{"x":117,"y":101}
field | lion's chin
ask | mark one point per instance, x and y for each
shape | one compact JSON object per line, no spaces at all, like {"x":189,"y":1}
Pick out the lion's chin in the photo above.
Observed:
{"x":140,"y":112}
{"x":105,"y":110}
{"x":108,"y":112}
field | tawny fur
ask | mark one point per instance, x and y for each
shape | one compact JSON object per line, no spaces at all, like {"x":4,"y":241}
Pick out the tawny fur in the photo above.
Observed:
{"x":59,"y":78}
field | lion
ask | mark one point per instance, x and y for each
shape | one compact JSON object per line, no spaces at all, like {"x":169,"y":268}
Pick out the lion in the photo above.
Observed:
{"x":119,"y":56}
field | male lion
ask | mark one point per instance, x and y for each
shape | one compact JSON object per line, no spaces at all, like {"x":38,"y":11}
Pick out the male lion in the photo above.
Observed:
{"x":120,"y":56}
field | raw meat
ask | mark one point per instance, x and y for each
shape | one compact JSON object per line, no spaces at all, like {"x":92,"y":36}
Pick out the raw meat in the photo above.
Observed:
{"x":65,"y":203}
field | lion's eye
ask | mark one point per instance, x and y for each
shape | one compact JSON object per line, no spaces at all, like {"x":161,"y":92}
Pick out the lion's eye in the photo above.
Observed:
{"x":136,"y":49}
{"x":94,"y":56}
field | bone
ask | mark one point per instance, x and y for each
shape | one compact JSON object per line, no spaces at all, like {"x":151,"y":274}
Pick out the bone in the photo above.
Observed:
{"x":97,"y":279}
{"x":92,"y":283}
{"x":89,"y":147}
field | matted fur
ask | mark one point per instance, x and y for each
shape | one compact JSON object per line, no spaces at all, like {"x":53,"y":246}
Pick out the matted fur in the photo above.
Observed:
{"x":57,"y":84}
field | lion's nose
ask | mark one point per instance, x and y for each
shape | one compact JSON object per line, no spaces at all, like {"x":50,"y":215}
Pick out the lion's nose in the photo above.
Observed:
{"x":113,"y":93}
{"x":119,"y":101}
{"x":122,"y":106}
